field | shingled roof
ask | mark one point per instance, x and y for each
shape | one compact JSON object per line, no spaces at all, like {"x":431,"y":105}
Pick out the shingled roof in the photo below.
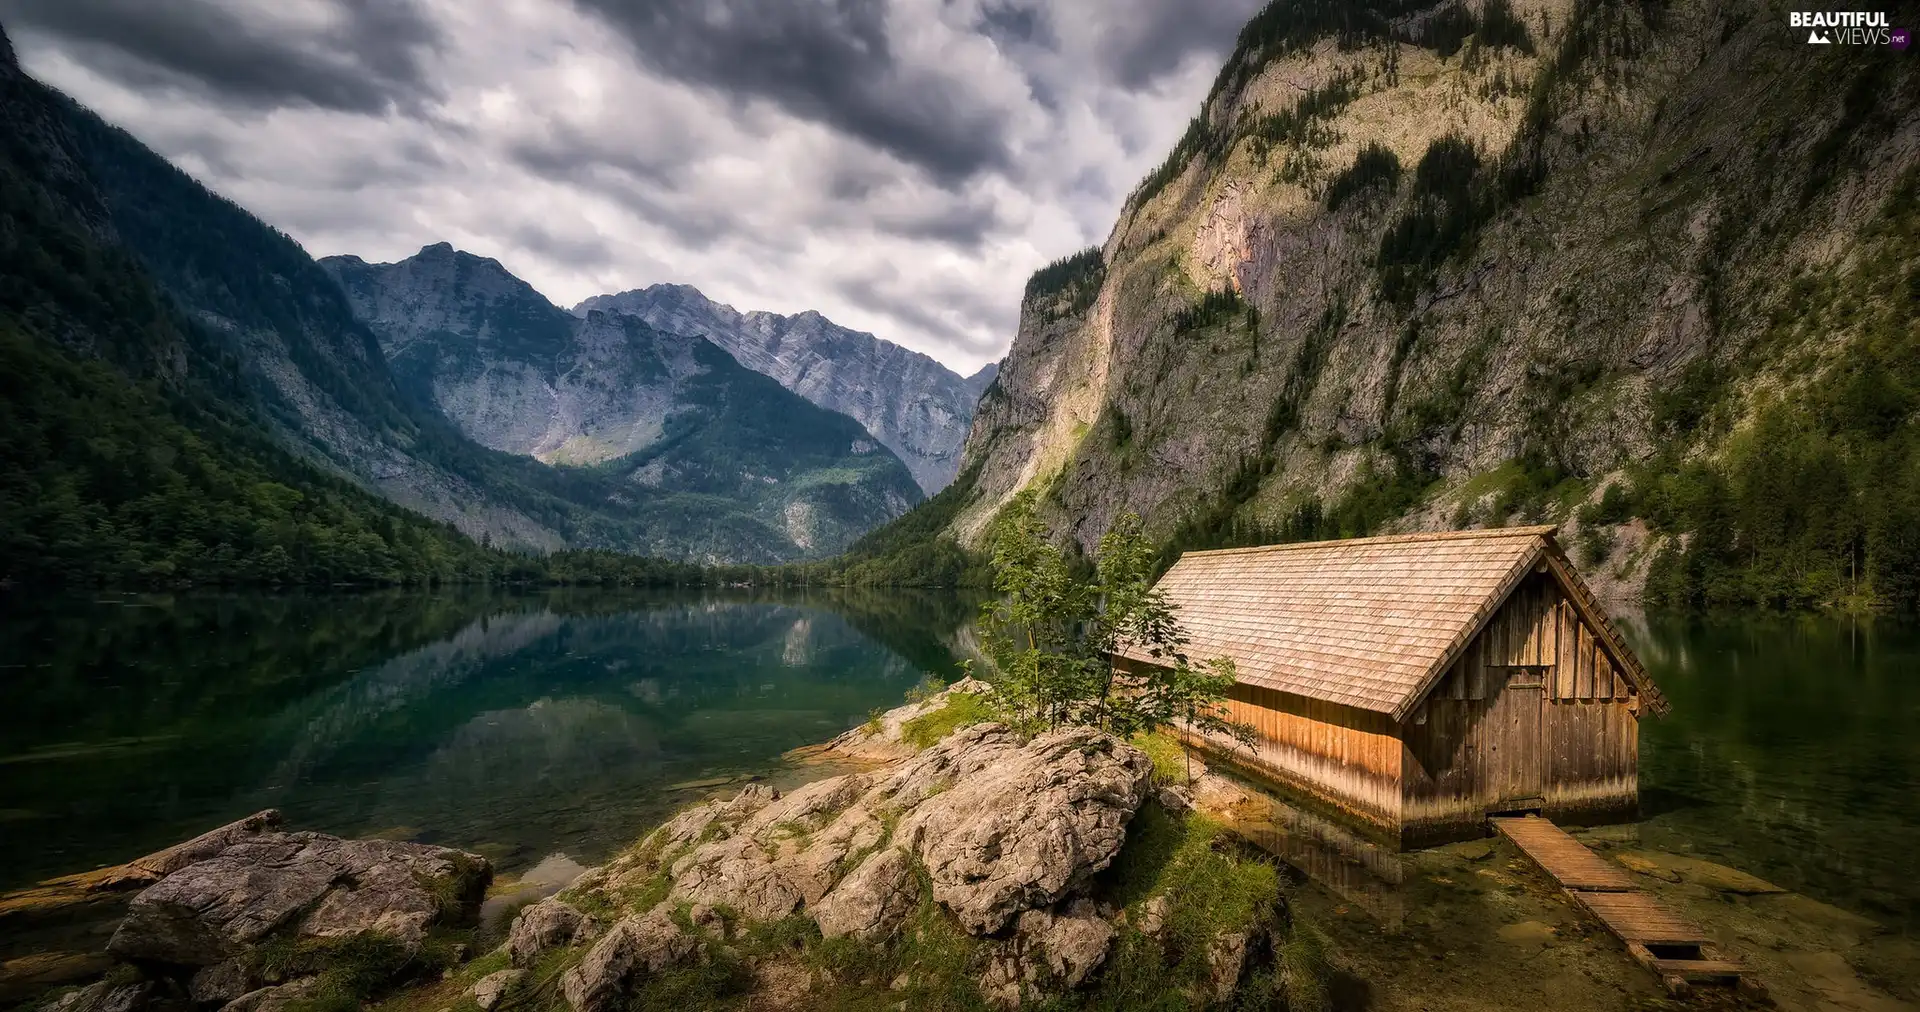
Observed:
{"x":1371,"y":623}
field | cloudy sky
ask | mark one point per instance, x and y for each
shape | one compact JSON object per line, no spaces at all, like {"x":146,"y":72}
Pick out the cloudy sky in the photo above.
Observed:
{"x":899,"y":165}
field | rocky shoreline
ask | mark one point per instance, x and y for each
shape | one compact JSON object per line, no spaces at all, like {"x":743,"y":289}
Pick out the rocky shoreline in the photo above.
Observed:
{"x":980,"y":870}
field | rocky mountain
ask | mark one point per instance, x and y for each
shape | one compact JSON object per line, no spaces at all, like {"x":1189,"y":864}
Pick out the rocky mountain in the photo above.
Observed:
{"x":139,"y":441}
{"x":190,"y":398}
{"x":685,"y":427}
{"x":918,"y":408}
{"x":1645,"y":269}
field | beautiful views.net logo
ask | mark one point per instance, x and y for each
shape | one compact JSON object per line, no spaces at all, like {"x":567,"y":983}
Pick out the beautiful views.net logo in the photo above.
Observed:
{"x":1848,"y":28}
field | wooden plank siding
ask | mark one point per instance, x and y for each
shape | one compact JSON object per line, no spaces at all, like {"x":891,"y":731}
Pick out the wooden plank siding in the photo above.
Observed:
{"x":1414,"y":684}
{"x":1486,"y":739}
{"x":1341,"y":756}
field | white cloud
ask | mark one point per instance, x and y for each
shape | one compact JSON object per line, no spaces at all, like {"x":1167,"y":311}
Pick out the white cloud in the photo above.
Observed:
{"x":536,"y":133}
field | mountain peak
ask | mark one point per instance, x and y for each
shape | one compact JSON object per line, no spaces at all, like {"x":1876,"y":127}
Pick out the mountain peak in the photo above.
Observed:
{"x":915,"y":406}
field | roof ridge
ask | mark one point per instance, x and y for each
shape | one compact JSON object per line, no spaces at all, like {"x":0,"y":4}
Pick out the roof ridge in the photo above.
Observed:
{"x":1534,"y":531}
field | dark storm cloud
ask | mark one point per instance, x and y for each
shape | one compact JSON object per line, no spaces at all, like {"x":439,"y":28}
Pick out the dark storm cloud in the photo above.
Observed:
{"x":366,"y":61}
{"x":561,"y":152}
{"x":583,"y":251}
{"x":1150,"y":39}
{"x":1011,"y":25}
{"x":829,"y":61}
{"x":898,"y":165}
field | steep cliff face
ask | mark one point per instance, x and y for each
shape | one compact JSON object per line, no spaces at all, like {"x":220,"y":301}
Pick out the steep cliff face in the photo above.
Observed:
{"x":1421,"y":266}
{"x":917,"y":407}
{"x":670,"y":413}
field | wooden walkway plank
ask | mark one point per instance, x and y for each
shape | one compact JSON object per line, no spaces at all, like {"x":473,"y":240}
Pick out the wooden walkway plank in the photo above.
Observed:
{"x":1638,"y":917}
{"x":1563,"y":857}
{"x":1686,"y":955}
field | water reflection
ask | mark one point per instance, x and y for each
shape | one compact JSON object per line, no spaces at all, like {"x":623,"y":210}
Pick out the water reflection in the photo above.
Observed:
{"x":1792,"y":753}
{"x":1346,"y":864}
{"x":521,"y":726}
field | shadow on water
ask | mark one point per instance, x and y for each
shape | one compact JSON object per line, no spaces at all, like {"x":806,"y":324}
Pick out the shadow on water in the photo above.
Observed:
{"x":516,"y":724}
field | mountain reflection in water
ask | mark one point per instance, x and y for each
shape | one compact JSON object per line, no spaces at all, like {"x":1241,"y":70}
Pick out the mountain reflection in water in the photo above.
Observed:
{"x":517,"y":725}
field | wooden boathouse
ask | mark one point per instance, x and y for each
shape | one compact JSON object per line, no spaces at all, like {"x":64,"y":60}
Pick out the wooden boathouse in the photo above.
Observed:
{"x":1416,"y":684}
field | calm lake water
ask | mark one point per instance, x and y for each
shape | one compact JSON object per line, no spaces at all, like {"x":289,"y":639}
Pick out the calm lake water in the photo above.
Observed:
{"x":517,"y":726}
{"x":522,"y":726}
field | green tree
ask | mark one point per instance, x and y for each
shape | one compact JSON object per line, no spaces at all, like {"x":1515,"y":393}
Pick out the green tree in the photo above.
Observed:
{"x":1054,"y":634}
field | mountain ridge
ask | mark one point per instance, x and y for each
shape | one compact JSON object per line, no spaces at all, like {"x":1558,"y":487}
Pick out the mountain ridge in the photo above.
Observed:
{"x":915,"y":406}
{"x":667,"y":414}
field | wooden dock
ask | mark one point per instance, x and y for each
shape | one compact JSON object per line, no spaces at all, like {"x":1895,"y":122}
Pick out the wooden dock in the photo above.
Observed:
{"x":1673,"y":947}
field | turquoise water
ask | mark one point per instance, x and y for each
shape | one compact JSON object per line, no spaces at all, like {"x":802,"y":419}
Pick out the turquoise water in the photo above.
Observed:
{"x":517,"y":726}
{"x":522,"y":726}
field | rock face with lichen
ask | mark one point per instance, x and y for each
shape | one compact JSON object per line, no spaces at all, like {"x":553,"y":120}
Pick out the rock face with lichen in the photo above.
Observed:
{"x":250,"y":917}
{"x":998,"y":837}
{"x":304,"y":885}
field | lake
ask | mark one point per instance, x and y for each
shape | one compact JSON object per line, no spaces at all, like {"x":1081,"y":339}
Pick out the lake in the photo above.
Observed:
{"x":514,"y":725}
{"x":525,"y":725}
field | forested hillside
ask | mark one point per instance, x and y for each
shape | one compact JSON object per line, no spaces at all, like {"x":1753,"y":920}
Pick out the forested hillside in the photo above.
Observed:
{"x":1644,"y":270}
{"x":131,"y":449}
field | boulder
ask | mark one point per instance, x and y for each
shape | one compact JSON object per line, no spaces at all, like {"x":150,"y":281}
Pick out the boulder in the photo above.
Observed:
{"x":1071,"y":941}
{"x":106,"y":997}
{"x":1227,"y":961}
{"x":319,"y":885}
{"x":221,"y":983}
{"x":872,"y":901}
{"x":960,"y":756}
{"x":548,"y":924}
{"x":735,"y":872}
{"x":274,"y":999}
{"x":1152,"y":918}
{"x":815,"y":868}
{"x":1050,"y":950}
{"x":809,"y":807}
{"x":1039,"y":824}
{"x":147,"y":870}
{"x":488,"y":990}
{"x":633,"y":949}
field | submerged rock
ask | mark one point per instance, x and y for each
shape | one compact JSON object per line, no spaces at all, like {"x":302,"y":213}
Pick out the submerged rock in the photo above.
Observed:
{"x":1679,"y":868}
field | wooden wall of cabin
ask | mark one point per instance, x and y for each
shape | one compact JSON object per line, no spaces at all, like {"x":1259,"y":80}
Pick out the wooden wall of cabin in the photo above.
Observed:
{"x":1534,"y":714}
{"x":1343,"y":757}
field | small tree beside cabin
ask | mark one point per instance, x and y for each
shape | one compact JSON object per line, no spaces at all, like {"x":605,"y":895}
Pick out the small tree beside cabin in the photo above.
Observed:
{"x":1053,"y":635}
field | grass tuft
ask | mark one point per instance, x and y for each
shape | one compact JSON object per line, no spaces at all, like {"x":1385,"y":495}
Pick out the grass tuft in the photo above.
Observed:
{"x":1168,"y":755}
{"x":962,"y":709}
